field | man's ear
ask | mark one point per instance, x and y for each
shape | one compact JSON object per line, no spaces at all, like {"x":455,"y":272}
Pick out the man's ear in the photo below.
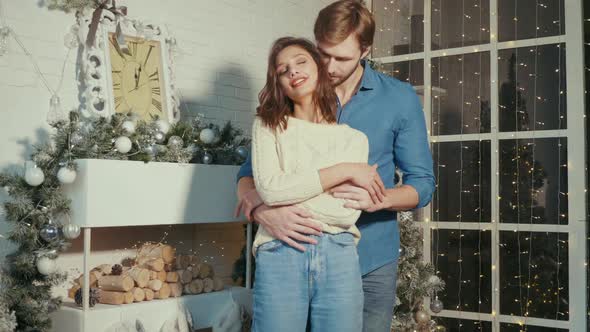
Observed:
{"x":365,"y":52}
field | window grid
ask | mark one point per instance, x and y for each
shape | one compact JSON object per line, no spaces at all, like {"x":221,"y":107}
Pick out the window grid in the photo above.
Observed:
{"x":575,"y":133}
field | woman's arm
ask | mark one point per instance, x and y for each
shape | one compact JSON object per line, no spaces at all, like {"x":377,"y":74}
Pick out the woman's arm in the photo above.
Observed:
{"x":277,"y":187}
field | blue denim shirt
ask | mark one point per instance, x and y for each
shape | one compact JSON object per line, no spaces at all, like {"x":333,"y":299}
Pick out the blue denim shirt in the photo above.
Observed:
{"x":388,"y":111}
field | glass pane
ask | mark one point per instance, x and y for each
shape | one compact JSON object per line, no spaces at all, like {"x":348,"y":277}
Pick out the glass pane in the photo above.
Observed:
{"x":463,"y":181}
{"x":408,"y":71}
{"x":460,"y":23}
{"x":399,"y":27}
{"x":532,"y":93}
{"x":462,"y":325}
{"x":534,"y":274}
{"x":525,"y":19}
{"x":461,"y":94}
{"x":504,"y":327}
{"x":533,"y":181}
{"x":463,"y":261}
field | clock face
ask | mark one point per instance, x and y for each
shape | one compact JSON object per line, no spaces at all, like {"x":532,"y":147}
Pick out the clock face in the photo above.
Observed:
{"x":137,"y":78}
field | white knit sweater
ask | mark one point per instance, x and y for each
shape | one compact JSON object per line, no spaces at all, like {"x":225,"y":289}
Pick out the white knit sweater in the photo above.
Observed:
{"x":286,"y":168}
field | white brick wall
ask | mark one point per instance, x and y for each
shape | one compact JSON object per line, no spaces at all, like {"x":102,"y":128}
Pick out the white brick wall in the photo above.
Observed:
{"x":223,"y":48}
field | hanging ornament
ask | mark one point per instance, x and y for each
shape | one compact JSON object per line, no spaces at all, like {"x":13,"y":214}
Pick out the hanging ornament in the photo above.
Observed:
{"x":55,"y":113}
{"x":175,"y":142}
{"x":150,"y":150}
{"x":49,"y":232}
{"x":4,"y":33}
{"x":66,"y":175}
{"x":242,"y":152}
{"x":422,"y":316}
{"x":440,"y":328}
{"x":207,"y":158}
{"x":71,"y":231}
{"x":436,"y":305}
{"x":123,"y":144}
{"x":33,"y":175}
{"x":46,"y":265}
{"x":128,"y":127}
{"x":163,"y":126}
{"x":159,"y":137}
{"x":402,"y":251}
{"x":207,"y":136}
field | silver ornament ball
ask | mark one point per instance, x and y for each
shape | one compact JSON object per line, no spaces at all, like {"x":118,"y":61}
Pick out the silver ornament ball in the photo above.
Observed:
{"x":159,"y":137}
{"x":207,"y":158}
{"x":149,"y":150}
{"x":207,"y":136}
{"x":66,"y":175}
{"x":46,"y":265}
{"x":175,"y":142}
{"x":436,"y":306}
{"x":128,"y":127}
{"x":71,"y":231}
{"x":34,"y":176}
{"x":123,"y":144}
{"x":49,"y":232}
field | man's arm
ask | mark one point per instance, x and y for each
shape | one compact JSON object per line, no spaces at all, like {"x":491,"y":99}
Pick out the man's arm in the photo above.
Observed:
{"x":412,"y":155}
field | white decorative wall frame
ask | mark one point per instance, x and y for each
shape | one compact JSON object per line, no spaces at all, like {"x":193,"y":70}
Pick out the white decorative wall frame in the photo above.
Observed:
{"x":95,"y":74}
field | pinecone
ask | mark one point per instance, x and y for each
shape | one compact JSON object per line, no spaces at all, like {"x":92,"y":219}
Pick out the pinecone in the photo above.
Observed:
{"x":94,"y":296}
{"x":117,"y":269}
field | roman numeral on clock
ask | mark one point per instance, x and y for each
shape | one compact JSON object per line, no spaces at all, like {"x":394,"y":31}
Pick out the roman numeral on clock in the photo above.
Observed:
{"x":157,"y":104}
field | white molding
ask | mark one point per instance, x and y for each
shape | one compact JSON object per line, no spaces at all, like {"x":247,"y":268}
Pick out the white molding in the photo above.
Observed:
{"x":493,"y":226}
{"x":576,"y":152}
{"x":475,"y":316}
{"x":538,"y":134}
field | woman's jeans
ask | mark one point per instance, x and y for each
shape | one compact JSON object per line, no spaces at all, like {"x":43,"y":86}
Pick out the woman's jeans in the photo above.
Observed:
{"x":323,"y":282}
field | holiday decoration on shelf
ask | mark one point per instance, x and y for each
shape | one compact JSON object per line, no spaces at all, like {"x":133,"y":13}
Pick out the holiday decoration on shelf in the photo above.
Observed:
{"x":38,"y":209}
{"x":93,"y":299}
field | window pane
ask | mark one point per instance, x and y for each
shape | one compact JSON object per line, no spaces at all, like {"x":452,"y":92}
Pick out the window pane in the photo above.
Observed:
{"x":534,"y":274}
{"x":462,"y":325}
{"x":461,"y":94}
{"x":407,"y":71}
{"x":525,"y":19}
{"x":527,"y":328}
{"x":463,"y":261}
{"x":532,"y":93}
{"x":460,"y":23}
{"x":533,"y":181}
{"x":462,"y":191}
{"x":399,"y":27}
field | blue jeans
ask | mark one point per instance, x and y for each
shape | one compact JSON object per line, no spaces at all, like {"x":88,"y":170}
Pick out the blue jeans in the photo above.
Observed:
{"x":379,"y":290}
{"x":322,"y":284}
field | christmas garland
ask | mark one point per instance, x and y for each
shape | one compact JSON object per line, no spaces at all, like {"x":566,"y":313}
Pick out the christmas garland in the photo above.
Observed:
{"x":39,"y":211}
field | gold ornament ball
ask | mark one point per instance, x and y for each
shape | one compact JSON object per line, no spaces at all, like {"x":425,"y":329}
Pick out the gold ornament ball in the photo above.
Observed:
{"x":422,"y":316}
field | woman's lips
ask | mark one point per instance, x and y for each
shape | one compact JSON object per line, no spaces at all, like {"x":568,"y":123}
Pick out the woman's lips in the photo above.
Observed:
{"x":298,"y":82}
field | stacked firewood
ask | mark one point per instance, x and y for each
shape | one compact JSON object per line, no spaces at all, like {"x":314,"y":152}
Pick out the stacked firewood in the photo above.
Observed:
{"x":156,"y":273}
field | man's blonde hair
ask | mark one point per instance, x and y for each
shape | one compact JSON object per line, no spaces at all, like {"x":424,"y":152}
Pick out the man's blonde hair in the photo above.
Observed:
{"x":338,"y":20}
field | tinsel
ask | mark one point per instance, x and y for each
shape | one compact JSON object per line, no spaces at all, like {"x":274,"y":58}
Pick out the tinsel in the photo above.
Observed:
{"x":26,"y":299}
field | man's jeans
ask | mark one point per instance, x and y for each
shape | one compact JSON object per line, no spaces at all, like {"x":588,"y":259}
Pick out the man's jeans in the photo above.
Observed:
{"x":322,"y":284}
{"x":379,"y":291}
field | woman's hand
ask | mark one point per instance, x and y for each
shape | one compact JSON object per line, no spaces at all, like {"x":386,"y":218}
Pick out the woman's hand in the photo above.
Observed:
{"x":358,"y":198}
{"x":367,"y":177}
{"x":248,"y":203}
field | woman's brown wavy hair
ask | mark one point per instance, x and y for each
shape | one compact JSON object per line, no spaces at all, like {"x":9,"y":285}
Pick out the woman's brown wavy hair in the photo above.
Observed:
{"x":275,"y":106}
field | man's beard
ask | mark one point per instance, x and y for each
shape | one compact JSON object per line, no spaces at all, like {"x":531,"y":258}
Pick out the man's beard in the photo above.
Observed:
{"x":337,"y":80}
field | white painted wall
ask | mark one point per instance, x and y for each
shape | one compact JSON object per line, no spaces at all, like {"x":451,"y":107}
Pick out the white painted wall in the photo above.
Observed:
{"x":223,"y":48}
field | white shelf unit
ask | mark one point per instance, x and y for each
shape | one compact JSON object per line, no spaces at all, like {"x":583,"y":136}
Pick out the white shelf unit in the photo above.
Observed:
{"x":115,"y":193}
